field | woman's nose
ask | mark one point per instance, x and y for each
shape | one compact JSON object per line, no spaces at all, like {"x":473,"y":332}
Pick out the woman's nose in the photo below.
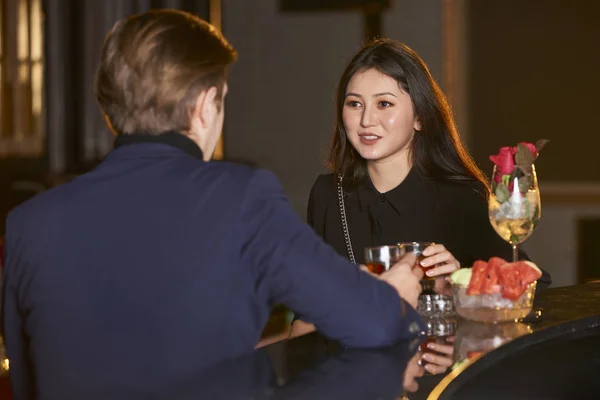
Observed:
{"x":368,"y":117}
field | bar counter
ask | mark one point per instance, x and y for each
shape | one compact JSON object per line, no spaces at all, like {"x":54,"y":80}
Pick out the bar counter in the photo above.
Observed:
{"x":553,"y":354}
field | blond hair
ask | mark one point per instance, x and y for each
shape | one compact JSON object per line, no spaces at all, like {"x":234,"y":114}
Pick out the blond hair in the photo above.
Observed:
{"x":153,"y":67}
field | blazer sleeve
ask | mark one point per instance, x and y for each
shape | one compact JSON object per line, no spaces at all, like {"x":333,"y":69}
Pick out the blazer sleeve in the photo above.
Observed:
{"x":13,"y":323}
{"x":315,"y":214}
{"x":482,"y":239}
{"x":293,"y":266}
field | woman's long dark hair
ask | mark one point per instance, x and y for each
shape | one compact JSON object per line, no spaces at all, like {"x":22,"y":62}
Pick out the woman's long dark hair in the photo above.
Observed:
{"x":436,"y":150}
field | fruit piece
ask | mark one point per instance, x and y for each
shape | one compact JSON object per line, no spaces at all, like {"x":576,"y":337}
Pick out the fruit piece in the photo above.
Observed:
{"x":490,"y":283}
{"x":512,"y":287}
{"x":515,"y":277}
{"x":479,"y":268}
{"x":534,"y":267}
{"x":461,"y":276}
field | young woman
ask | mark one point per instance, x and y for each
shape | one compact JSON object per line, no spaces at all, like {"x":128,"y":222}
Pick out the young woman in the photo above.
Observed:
{"x":400,"y":172}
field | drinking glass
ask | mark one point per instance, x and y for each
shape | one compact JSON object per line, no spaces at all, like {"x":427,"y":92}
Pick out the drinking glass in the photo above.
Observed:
{"x":514,"y":206}
{"x":437,"y":330}
{"x":380,"y":258}
{"x":428,"y":282}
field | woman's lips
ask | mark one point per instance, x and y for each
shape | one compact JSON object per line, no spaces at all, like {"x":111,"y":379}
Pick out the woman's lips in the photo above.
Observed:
{"x":368,"y":138}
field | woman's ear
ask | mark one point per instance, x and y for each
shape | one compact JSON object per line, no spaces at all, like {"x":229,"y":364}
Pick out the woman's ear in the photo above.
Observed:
{"x":417,"y":124}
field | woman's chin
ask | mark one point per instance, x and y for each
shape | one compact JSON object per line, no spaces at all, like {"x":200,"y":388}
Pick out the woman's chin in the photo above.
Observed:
{"x":380,"y":154}
{"x":370,"y":155}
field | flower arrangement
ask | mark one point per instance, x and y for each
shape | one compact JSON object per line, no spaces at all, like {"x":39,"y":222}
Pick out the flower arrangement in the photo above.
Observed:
{"x":514,"y":165}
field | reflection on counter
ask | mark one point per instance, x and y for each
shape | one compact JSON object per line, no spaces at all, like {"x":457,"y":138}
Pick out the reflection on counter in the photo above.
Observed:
{"x":312,"y":367}
{"x":438,"y":330}
{"x":474,"y":339}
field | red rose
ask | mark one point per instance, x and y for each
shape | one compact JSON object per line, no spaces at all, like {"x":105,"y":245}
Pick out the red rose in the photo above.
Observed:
{"x":531,"y":148}
{"x":505,"y":162}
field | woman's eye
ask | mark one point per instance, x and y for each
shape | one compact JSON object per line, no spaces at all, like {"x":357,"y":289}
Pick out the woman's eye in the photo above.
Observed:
{"x":385,"y":104}
{"x":353,"y":103}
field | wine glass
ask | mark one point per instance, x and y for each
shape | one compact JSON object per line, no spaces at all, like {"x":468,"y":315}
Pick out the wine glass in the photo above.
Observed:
{"x":514,"y":205}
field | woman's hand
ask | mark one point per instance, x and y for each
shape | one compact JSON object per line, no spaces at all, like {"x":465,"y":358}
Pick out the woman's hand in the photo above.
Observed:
{"x":445,"y":264}
{"x":439,"y":358}
{"x":444,"y":261}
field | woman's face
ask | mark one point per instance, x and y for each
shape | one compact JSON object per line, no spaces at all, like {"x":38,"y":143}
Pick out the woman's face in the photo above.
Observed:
{"x":378,"y":116}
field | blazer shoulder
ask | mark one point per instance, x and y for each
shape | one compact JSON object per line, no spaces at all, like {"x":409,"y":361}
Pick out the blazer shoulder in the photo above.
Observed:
{"x":39,"y":203}
{"x":257,"y":184}
{"x":236,"y":178}
{"x":232,"y":169}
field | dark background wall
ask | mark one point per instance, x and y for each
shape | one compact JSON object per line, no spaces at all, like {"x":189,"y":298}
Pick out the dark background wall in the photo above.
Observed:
{"x":534,"y":73}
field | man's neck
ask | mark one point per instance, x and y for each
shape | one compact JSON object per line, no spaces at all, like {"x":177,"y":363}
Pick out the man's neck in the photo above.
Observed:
{"x":203,"y":141}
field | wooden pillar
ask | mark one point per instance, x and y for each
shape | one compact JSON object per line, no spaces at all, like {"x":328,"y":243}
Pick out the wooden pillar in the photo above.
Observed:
{"x":11,"y":11}
{"x":216,"y":19}
{"x":373,"y":19}
{"x":5,"y":92}
{"x":456,"y":59}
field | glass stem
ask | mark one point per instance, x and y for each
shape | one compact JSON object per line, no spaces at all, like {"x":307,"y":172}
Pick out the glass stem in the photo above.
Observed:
{"x":515,"y":252}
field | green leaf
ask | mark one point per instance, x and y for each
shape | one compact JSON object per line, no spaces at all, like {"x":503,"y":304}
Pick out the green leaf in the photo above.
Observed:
{"x":524,"y":159}
{"x":539,"y":145}
{"x":502,"y":192}
{"x":525,"y":183}
{"x":506,"y":180}
{"x":525,"y":170}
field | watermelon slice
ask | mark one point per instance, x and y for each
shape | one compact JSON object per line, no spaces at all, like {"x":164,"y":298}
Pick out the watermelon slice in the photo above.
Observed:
{"x":515,"y":277}
{"x":490,"y":283}
{"x":477,"y":277}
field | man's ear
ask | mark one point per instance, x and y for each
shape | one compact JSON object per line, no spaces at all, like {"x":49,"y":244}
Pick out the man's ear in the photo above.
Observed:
{"x":206,"y":108}
{"x":109,"y":124}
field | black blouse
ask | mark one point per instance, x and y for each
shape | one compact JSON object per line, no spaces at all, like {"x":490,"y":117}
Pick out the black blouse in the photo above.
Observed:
{"x":452,"y":214}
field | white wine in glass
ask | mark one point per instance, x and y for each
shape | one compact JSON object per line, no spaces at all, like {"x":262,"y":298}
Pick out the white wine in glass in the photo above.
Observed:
{"x":514,"y":206}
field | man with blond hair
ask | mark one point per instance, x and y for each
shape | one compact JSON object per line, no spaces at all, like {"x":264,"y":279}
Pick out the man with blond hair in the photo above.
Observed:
{"x":133,"y":278}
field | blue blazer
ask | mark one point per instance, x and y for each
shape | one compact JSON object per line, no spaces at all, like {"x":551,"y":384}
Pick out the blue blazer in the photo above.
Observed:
{"x":141,"y":273}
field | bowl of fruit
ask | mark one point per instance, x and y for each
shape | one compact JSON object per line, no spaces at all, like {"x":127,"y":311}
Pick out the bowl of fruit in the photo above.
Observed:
{"x":495,"y":290}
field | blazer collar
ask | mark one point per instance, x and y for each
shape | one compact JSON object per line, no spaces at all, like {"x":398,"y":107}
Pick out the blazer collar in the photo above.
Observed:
{"x":171,"y":138}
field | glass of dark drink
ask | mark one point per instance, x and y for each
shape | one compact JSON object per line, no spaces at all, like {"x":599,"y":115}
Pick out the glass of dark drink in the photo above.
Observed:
{"x":428,"y":283}
{"x":380,"y":258}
